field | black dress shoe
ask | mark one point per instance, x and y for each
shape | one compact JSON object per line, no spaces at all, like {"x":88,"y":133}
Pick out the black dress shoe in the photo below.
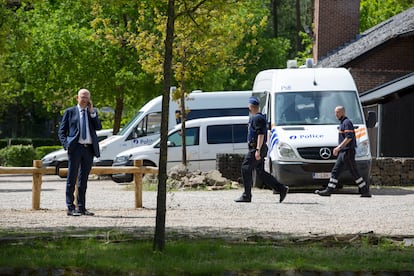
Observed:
{"x":86,"y":213}
{"x":243,"y":199}
{"x":366,"y":194}
{"x":73,"y":213}
{"x":283,"y":194}
{"x":326,"y":192}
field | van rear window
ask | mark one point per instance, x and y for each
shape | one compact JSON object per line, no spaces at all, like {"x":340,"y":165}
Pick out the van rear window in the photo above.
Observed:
{"x":227,"y":134}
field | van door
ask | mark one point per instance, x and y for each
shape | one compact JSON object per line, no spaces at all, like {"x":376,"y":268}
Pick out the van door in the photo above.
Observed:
{"x":175,"y":148}
{"x":145,"y":132}
{"x":225,"y":138}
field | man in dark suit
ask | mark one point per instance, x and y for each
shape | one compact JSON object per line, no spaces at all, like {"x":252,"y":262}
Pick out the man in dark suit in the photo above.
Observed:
{"x":77,"y":133}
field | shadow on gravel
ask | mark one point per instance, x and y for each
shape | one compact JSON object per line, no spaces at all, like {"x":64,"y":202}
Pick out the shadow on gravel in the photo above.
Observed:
{"x":23,"y":190}
{"x":124,"y":217}
{"x":392,"y":191}
{"x":352,"y":190}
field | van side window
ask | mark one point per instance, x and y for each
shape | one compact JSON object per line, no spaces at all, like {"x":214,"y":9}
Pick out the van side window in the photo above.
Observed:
{"x":227,"y":134}
{"x":149,"y":125}
{"x":240,"y":133}
{"x":191,"y":137}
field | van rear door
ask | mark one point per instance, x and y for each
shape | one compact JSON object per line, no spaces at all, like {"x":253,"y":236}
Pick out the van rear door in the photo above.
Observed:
{"x":222,"y":138}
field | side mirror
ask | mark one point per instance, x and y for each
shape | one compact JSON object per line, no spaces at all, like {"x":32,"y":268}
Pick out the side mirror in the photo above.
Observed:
{"x":372,"y":119}
{"x":170,"y":144}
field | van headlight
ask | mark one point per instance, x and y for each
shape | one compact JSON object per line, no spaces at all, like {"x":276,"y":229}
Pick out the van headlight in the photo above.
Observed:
{"x":362,"y":149}
{"x":122,"y":159}
{"x":286,"y":151}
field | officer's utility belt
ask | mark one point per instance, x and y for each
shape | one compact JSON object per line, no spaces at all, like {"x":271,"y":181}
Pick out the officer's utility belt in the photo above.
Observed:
{"x":252,"y":145}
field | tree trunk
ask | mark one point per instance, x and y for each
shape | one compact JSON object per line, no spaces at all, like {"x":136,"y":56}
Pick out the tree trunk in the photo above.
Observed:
{"x":159,"y":236}
{"x":183,"y":135}
{"x":119,"y":106}
{"x":274,"y":4}
{"x":298,"y":27}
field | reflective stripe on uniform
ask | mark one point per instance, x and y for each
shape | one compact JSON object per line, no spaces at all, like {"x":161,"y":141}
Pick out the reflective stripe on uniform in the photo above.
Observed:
{"x":360,"y":182}
{"x":332,"y":183}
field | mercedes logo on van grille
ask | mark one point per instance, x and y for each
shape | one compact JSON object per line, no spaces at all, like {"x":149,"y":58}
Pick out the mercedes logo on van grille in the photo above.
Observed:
{"x":325,"y":153}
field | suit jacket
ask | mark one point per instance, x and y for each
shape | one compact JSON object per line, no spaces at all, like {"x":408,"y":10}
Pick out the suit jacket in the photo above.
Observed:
{"x":69,"y":130}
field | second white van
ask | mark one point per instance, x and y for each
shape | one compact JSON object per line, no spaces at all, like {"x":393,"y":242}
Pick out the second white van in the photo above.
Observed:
{"x":145,"y":127}
{"x":205,"y":138}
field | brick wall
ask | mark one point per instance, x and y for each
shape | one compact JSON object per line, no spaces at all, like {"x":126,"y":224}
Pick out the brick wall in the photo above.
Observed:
{"x":391,"y":61}
{"x":368,"y":79}
{"x":392,"y":171}
{"x":230,"y":165}
{"x":336,"y":23}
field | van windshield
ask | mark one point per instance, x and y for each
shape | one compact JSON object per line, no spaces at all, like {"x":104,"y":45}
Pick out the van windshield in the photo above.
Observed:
{"x":130,"y":124}
{"x":315,"y":108}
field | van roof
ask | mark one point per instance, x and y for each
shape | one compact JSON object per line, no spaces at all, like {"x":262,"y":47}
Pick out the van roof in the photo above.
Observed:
{"x":214,"y":120}
{"x":205,"y":99}
{"x":304,"y":79}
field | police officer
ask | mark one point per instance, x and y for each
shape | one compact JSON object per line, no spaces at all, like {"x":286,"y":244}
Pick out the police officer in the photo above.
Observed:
{"x":256,"y":137}
{"x":346,"y":156}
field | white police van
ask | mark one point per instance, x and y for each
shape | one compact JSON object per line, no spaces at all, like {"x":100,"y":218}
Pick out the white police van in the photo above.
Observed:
{"x":205,"y":138}
{"x":299,"y":104}
{"x":145,"y":127}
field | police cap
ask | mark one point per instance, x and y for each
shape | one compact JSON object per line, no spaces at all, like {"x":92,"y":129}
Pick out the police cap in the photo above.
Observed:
{"x":254,"y":101}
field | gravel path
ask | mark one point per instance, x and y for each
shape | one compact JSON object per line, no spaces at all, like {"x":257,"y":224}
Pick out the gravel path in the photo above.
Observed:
{"x":389,"y":212}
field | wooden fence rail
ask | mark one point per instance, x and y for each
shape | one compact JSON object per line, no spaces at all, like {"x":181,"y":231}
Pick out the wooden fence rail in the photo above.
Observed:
{"x":38,"y":171}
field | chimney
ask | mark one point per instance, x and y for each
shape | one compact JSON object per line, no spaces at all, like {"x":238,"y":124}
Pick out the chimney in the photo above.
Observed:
{"x":336,"y":23}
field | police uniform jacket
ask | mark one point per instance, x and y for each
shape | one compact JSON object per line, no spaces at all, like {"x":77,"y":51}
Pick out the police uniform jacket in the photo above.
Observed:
{"x":257,"y":126}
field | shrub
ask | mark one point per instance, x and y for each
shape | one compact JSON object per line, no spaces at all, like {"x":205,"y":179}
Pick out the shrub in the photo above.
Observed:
{"x":42,"y":151}
{"x":17,"y":156}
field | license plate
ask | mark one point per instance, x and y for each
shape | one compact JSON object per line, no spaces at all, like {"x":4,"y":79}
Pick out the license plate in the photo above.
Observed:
{"x":321,"y":175}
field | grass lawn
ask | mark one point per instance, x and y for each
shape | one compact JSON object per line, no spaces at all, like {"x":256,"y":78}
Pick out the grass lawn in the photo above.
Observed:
{"x":95,"y":252}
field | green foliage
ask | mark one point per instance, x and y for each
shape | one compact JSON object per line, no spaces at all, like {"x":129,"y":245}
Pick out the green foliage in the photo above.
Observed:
{"x":42,"y":151}
{"x":50,"y":49}
{"x":17,"y":156}
{"x":307,"y":52}
{"x":373,"y":12}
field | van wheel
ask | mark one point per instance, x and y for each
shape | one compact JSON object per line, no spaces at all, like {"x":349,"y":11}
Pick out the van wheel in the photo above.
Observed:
{"x":129,"y":177}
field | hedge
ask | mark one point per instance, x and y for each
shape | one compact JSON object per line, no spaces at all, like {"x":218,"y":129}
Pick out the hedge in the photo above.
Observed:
{"x":17,"y":156}
{"x":23,"y":155}
{"x":36,"y":142}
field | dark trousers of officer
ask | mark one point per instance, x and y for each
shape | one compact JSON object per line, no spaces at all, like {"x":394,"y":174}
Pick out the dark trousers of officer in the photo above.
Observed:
{"x":79,"y":166}
{"x":249,"y":164}
{"x":346,"y":160}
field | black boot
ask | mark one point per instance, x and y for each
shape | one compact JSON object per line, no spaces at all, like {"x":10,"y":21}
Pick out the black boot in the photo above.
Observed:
{"x":363,"y":187}
{"x":365,"y":191}
{"x":327,"y":192}
{"x":283,"y":193}
{"x":243,"y":198}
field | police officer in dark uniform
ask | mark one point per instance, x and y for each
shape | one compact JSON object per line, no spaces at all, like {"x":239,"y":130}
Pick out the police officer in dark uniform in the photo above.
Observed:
{"x":346,"y":156}
{"x":256,"y":137}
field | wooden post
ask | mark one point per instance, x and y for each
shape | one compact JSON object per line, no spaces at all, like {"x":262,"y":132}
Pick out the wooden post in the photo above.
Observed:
{"x":138,"y":184}
{"x":36,"y":185}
